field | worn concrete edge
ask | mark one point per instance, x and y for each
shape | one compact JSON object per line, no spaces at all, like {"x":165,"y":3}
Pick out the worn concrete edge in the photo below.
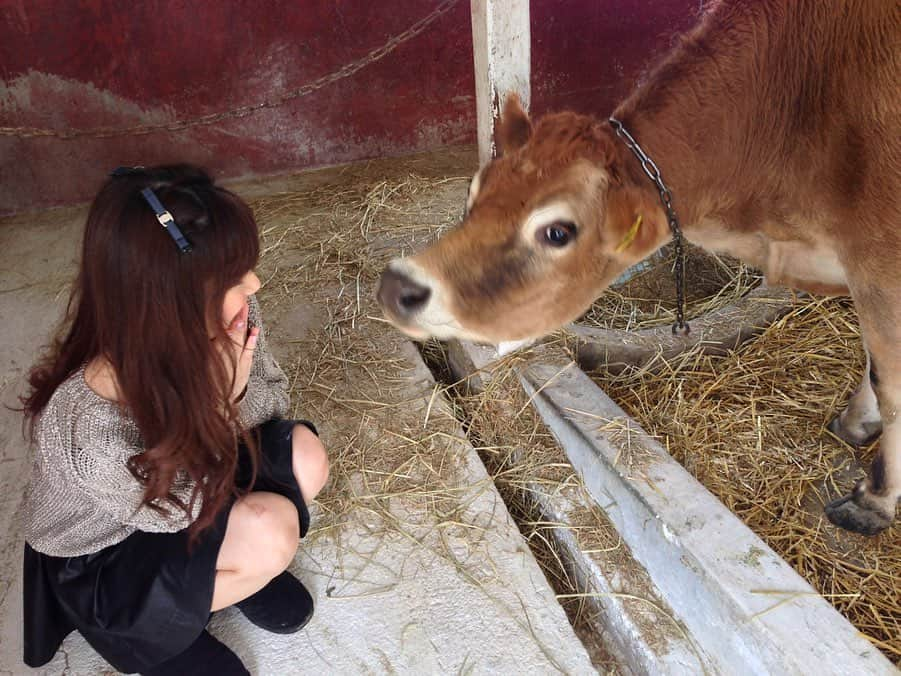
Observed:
{"x":611,"y":617}
{"x":421,"y":373}
{"x":742,"y":603}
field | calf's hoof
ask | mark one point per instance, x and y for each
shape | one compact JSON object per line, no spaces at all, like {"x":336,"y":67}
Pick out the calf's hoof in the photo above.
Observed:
{"x":859,"y":512}
{"x":864,"y":435}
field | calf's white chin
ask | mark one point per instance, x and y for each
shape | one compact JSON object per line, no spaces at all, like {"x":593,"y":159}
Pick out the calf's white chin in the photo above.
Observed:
{"x":508,"y":346}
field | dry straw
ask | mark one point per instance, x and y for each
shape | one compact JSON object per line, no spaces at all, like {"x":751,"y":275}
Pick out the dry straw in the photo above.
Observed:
{"x":393,"y":463}
{"x":648,"y":298}
{"x":395,"y":450}
{"x":749,"y":425}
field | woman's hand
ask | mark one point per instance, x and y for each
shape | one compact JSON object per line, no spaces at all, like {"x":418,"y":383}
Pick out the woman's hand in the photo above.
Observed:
{"x":243,"y":342}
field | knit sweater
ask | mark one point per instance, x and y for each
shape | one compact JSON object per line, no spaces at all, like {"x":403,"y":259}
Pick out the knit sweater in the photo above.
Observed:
{"x":81,"y":496}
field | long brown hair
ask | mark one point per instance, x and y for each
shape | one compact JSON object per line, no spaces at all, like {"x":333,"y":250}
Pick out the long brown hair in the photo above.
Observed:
{"x":150,"y":310}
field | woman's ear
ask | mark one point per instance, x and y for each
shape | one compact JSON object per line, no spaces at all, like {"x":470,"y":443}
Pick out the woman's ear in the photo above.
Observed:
{"x":514,"y":127}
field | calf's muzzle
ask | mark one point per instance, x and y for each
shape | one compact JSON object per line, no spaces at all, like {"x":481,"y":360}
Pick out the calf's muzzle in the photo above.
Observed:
{"x":400,"y":297}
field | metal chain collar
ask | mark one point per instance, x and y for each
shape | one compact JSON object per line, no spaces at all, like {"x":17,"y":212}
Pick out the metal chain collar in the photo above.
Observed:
{"x":680,"y":327}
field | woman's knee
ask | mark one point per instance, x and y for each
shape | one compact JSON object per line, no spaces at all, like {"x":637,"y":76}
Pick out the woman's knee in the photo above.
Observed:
{"x":266,"y":532}
{"x":310,"y":462}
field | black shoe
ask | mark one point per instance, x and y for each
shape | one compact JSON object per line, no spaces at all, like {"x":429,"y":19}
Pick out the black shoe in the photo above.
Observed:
{"x":283,"y":606}
{"x":207,"y":656}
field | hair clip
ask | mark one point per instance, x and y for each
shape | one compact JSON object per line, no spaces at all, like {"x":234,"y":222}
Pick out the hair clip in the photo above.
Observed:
{"x":166,"y":220}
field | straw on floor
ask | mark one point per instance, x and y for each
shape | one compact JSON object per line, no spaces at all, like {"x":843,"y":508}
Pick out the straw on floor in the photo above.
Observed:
{"x":648,"y":298}
{"x":751,"y":427}
{"x":326,"y":239}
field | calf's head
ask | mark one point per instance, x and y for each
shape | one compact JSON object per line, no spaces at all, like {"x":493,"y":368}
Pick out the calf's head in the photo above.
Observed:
{"x":549,"y":225}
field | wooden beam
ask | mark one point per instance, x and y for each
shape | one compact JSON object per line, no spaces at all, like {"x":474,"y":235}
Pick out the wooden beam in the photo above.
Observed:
{"x":501,"y":41}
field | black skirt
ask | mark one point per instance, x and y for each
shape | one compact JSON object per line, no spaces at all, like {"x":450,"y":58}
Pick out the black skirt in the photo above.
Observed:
{"x":146,"y":599}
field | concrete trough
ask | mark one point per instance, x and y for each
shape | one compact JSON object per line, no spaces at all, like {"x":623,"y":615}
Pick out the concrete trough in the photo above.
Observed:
{"x":622,"y":608}
{"x":743,"y":608}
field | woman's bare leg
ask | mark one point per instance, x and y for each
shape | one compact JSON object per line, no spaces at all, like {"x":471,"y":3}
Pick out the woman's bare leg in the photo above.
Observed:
{"x":309,"y":461}
{"x":260,"y":541}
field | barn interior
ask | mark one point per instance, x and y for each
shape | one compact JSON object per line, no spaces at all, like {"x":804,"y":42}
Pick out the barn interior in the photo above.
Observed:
{"x":457,"y":532}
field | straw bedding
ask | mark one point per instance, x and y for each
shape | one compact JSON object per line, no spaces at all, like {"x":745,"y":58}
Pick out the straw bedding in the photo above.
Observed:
{"x":749,"y":425}
{"x":390,"y":453}
{"x":649,"y":297}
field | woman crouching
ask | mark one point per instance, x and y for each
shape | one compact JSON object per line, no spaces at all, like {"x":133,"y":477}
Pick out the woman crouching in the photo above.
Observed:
{"x":166,"y":483}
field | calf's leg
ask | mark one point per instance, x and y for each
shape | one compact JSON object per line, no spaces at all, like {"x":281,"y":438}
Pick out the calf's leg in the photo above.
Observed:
{"x":860,"y":423}
{"x":870,"y":507}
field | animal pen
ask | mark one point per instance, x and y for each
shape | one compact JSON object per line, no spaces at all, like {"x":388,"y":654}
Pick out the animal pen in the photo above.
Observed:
{"x":612,"y":498}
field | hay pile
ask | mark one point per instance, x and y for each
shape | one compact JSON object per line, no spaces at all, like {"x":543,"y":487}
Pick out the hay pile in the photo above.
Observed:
{"x":325,"y":240}
{"x":750,"y":427}
{"x":649,"y":297}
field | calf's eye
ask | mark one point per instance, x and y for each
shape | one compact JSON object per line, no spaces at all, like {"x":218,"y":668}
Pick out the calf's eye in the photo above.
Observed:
{"x":556,"y":234}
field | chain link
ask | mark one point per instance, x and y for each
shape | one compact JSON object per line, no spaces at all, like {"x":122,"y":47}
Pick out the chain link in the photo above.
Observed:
{"x":244,"y":111}
{"x":650,"y":168}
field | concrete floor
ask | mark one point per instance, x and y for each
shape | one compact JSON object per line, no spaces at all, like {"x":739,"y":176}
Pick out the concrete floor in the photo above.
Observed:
{"x":438,"y":581}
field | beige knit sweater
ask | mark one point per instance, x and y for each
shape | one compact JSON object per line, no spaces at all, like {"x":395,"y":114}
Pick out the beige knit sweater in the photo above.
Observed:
{"x":81,"y":496}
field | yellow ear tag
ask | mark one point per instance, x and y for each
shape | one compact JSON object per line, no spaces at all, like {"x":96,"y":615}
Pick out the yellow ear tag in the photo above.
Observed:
{"x":630,"y":236}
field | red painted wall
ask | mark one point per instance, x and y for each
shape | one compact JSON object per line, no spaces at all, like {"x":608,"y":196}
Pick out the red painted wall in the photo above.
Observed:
{"x":76,"y":65}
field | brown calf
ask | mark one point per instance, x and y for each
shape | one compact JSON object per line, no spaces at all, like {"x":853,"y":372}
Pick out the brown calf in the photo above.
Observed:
{"x":777,"y":126}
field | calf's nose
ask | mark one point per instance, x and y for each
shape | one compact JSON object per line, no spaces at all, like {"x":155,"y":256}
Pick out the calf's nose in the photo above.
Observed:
{"x":401,"y":296}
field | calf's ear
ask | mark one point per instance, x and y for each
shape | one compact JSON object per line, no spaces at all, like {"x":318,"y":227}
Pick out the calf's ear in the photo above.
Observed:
{"x":634,"y":225}
{"x":514,"y":127}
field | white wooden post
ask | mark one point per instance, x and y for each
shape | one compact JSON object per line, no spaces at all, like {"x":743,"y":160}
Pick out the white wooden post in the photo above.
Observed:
{"x":501,"y":42}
